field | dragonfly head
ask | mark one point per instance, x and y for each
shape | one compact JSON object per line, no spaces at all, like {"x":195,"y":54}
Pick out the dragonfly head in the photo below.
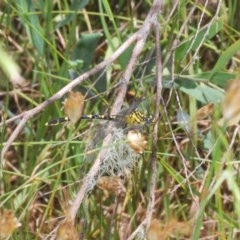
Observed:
{"x":149,"y":120}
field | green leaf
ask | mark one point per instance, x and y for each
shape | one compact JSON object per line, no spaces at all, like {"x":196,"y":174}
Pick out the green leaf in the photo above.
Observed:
{"x":76,"y":5}
{"x":83,"y":56}
{"x":204,"y":34}
{"x":219,"y":78}
{"x":173,"y":172}
{"x":201,"y":92}
{"x":10,"y":69}
{"x":225,"y":57}
{"x":85,"y":49}
{"x":125,"y":57}
{"x":31,"y":23}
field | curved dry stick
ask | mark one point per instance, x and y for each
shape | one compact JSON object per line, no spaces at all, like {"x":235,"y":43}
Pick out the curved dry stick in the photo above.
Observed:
{"x":142,"y":36}
{"x":151,"y":203}
{"x":150,"y":208}
{"x":31,"y":113}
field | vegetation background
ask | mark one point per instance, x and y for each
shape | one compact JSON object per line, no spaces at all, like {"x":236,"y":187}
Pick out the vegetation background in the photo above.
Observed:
{"x":47,"y":44}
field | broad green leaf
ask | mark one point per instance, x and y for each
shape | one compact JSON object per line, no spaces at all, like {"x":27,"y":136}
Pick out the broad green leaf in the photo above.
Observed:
{"x":83,"y":56}
{"x":200,"y":92}
{"x":85,"y":49}
{"x":219,"y":78}
{"x":125,"y":57}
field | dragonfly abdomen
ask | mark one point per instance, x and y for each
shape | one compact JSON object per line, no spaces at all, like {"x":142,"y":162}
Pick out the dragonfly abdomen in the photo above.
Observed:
{"x":134,"y":118}
{"x":97,"y":116}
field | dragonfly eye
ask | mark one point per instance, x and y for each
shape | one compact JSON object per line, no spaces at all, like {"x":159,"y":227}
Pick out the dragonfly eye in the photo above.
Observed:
{"x":149,"y":120}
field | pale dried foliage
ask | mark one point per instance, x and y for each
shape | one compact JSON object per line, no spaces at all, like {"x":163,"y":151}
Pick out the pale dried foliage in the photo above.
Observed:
{"x":8,"y":224}
{"x":157,"y":231}
{"x":136,"y":141}
{"x":112,"y":184}
{"x":73,"y":106}
{"x":67,"y":230}
{"x":205,"y":111}
{"x":231,"y":104}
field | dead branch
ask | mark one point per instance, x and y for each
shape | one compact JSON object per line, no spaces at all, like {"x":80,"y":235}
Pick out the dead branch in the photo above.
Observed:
{"x":142,"y":36}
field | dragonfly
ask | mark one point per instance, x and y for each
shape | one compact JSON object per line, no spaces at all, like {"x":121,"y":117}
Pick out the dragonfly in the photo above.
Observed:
{"x":74,"y":104}
{"x":135,"y":117}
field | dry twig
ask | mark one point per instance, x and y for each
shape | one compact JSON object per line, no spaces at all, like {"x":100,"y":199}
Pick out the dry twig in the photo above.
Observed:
{"x":145,"y":223}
